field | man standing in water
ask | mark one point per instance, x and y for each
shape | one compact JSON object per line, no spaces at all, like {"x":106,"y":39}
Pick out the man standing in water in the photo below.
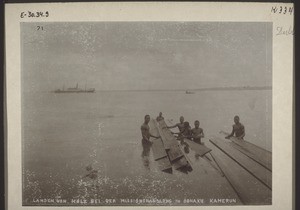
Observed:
{"x":238,"y":129}
{"x":146,"y":142}
{"x":159,"y":117}
{"x":197,"y":133}
{"x":179,"y":125}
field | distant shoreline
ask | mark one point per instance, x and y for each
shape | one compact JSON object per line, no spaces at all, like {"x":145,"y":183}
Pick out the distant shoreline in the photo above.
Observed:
{"x":194,"y":90}
{"x":184,"y":90}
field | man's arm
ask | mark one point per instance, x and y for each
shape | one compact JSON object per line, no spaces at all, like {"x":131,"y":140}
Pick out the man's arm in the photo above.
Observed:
{"x":156,"y":137}
{"x":230,"y":135}
{"x":172,"y":126}
{"x":202,"y":134}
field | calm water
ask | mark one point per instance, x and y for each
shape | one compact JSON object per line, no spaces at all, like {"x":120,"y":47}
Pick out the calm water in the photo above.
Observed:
{"x":65,"y":133}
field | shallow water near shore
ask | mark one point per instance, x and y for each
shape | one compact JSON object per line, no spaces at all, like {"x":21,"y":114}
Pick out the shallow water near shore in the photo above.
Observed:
{"x":63,"y":134}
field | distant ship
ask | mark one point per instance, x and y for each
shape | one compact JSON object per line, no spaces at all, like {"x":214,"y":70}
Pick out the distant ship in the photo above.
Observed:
{"x":75,"y":90}
{"x":189,"y":92}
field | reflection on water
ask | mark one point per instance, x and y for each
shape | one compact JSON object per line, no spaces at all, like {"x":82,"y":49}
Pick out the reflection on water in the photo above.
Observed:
{"x":89,"y":146}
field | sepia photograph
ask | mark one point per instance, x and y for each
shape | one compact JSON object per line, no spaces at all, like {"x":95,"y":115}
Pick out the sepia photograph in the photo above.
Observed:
{"x":149,"y":105}
{"x":146,"y":113}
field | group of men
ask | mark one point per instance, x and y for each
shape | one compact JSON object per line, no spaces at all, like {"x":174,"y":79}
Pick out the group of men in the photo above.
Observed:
{"x":185,"y":131}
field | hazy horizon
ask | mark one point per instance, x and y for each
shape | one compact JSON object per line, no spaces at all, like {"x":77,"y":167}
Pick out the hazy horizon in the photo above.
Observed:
{"x":146,"y":55}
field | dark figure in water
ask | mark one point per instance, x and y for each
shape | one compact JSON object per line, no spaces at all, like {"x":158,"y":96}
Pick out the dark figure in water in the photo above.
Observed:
{"x":185,"y":133}
{"x":197,"y":133}
{"x":159,"y":117}
{"x":146,"y":142}
{"x":179,"y":125}
{"x":238,"y":129}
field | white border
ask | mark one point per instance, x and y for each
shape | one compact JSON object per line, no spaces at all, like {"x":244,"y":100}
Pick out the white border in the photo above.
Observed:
{"x":159,"y":11}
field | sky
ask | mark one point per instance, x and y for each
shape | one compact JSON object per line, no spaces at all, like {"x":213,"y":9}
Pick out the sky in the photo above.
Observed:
{"x":145,"y":55}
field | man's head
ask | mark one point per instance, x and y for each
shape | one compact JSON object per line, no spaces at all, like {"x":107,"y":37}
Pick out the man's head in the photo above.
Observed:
{"x":147,"y":118}
{"x":186,"y":124}
{"x":181,"y":119}
{"x":197,"y":124}
{"x":160,"y":114}
{"x":236,"y":119}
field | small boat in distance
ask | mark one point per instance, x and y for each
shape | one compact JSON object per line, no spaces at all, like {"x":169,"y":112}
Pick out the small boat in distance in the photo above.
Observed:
{"x":189,"y":92}
{"x":75,"y":90}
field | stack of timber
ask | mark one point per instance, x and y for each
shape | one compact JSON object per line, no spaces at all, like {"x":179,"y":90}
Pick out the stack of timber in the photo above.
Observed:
{"x":247,"y":168}
{"x":254,"y":152}
{"x":158,"y":150}
{"x":167,"y":148}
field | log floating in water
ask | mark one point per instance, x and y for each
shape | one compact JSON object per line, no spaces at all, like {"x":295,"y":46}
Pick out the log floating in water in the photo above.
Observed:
{"x":249,"y":189}
{"x":256,"y":153}
{"x":258,"y":171}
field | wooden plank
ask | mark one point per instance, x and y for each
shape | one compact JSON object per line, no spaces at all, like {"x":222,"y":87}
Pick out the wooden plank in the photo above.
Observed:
{"x":166,"y":142}
{"x":258,"y":154}
{"x":174,"y":152}
{"x":262,"y":161}
{"x":178,"y":160}
{"x":260,"y":172}
{"x":213,"y":163}
{"x":157,"y":146}
{"x":248,"y":188}
{"x":199,"y":149}
{"x":180,"y":163}
{"x":164,"y":164}
{"x":158,"y":149}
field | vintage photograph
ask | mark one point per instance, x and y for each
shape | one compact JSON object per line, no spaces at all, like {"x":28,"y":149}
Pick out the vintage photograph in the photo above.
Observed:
{"x":146,"y":113}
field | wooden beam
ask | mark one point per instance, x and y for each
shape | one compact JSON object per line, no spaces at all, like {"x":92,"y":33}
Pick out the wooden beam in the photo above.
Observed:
{"x":158,"y":150}
{"x":199,"y":149}
{"x":248,"y":188}
{"x":260,"y":172}
{"x":164,"y":165}
{"x":174,"y":152}
{"x":256,"y":153}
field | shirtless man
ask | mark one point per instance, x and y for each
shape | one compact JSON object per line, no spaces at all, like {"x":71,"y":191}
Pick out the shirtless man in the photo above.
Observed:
{"x":146,"y":142}
{"x":179,"y":125}
{"x":159,"y":117}
{"x":238,"y":129}
{"x":197,"y":133}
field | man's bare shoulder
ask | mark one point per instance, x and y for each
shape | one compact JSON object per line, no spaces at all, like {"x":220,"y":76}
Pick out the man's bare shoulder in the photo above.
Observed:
{"x":144,"y":126}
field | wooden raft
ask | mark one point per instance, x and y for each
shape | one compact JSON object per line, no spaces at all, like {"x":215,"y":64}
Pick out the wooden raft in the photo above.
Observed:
{"x":247,"y":174}
{"x":254,"y":152}
{"x":255,"y":169}
{"x":248,"y":188}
